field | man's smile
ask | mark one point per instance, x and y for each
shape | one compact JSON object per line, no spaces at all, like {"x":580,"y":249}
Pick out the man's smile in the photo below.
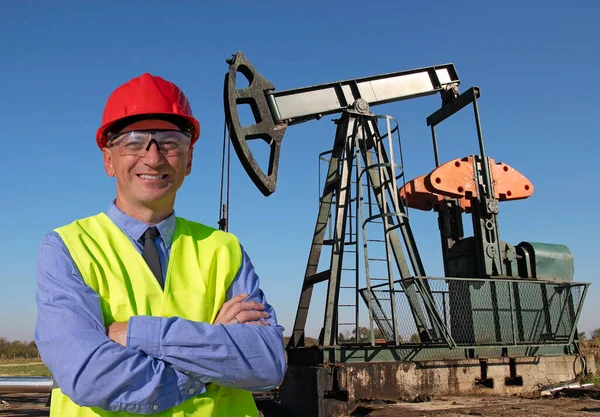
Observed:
{"x":152,"y":176}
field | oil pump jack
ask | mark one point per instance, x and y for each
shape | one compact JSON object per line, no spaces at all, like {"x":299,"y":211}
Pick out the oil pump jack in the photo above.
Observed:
{"x":497,"y":304}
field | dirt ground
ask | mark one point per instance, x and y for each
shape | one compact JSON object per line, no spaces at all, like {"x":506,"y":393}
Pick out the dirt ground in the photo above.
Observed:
{"x":23,"y":405}
{"x":34,"y":405}
{"x":486,"y":407}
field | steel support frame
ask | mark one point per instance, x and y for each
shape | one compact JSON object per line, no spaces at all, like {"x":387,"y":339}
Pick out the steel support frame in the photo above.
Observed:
{"x":344,"y":134}
{"x":360,"y":128}
{"x":488,"y":248}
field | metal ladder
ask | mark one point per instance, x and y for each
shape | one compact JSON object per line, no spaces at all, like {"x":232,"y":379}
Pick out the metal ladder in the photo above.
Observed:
{"x":386,"y":320}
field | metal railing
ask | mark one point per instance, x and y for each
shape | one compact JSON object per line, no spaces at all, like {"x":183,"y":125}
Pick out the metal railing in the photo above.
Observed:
{"x":488,"y":311}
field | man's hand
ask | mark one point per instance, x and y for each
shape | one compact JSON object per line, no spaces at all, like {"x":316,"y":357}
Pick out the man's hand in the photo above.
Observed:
{"x":118,"y":332}
{"x":237,"y":311}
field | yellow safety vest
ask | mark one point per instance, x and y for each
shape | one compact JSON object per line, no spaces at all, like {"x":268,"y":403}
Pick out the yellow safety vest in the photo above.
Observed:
{"x":202,"y":265}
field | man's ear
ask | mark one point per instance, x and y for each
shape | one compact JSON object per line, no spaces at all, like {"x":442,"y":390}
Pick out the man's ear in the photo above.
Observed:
{"x":188,"y":168}
{"x":108,"y":162}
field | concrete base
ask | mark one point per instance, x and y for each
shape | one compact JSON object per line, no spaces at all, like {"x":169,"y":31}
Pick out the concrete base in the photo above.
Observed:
{"x":326,"y":390}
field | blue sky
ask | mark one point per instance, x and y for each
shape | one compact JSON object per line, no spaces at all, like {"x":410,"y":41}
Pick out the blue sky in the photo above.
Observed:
{"x":535,"y":62}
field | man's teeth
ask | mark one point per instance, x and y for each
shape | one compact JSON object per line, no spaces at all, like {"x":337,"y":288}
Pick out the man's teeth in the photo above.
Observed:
{"x":151,"y":177}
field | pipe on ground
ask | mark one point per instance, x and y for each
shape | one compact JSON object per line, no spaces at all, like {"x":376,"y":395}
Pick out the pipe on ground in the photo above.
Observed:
{"x":27,"y":384}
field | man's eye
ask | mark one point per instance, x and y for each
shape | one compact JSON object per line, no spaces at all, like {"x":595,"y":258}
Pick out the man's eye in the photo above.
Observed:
{"x":169,"y":144}
{"x":134,"y":144}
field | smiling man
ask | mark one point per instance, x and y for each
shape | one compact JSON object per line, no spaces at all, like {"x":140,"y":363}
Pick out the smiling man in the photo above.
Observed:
{"x":144,"y":312}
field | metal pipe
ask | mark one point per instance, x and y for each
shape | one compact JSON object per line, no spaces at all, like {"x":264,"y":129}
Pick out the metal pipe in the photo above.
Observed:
{"x":28,"y":384}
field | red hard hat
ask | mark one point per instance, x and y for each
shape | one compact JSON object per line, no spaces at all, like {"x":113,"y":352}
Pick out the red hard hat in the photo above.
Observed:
{"x":147,"y":95}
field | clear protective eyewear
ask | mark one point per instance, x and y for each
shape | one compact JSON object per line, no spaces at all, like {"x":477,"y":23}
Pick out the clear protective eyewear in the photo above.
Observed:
{"x":138,"y":142}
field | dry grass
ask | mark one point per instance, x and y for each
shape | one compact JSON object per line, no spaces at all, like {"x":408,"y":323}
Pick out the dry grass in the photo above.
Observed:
{"x":23,"y":367}
{"x":592,"y":347}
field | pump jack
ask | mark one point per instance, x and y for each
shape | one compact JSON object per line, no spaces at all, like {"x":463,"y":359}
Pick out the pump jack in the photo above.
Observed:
{"x":496,"y":300}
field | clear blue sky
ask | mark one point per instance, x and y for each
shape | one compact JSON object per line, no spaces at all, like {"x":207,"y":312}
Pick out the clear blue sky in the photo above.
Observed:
{"x":536,"y":62}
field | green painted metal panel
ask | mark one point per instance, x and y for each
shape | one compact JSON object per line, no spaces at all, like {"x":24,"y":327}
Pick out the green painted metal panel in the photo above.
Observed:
{"x":550,"y":262}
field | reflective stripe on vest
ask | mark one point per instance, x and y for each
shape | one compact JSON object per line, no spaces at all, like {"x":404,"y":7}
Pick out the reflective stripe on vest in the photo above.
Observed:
{"x":202,"y":264}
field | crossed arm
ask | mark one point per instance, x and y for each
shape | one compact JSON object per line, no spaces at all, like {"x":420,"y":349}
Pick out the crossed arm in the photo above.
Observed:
{"x":233,"y":311}
{"x":166,"y":360}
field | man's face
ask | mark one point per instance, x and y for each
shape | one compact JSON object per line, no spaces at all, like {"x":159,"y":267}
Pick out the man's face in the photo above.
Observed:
{"x":151,"y":180}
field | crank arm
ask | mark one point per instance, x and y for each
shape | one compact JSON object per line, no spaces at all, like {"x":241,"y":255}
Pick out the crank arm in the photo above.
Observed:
{"x":265,"y":128}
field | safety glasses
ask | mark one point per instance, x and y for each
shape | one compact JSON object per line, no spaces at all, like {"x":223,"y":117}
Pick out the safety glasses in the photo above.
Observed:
{"x":138,"y":142}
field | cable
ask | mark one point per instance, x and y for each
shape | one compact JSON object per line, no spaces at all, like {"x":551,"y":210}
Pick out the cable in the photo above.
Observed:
{"x":228,"y":181}
{"x":224,"y":208}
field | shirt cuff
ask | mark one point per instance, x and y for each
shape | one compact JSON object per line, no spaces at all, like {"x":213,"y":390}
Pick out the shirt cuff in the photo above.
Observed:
{"x":143,"y":334}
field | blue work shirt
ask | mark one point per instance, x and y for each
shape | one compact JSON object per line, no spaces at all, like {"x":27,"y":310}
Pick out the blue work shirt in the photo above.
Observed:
{"x":167,"y":360}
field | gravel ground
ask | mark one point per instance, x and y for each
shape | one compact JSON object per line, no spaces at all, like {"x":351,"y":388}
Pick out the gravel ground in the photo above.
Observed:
{"x":34,"y":405}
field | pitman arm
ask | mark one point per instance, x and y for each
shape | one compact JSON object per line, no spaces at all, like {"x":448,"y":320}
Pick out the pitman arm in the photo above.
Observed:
{"x":274,"y":111}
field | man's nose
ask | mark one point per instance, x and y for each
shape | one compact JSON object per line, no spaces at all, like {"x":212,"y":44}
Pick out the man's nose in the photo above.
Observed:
{"x":153,"y":154}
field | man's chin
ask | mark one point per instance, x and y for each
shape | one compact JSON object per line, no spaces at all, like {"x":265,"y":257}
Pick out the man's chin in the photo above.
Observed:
{"x":153,"y":193}
{"x":155,"y":199}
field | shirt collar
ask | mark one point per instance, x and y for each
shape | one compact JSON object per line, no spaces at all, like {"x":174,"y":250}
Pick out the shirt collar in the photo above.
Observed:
{"x":135,"y":228}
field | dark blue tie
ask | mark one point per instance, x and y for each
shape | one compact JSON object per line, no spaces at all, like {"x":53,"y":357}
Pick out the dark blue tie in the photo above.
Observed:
{"x":150,"y":254}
